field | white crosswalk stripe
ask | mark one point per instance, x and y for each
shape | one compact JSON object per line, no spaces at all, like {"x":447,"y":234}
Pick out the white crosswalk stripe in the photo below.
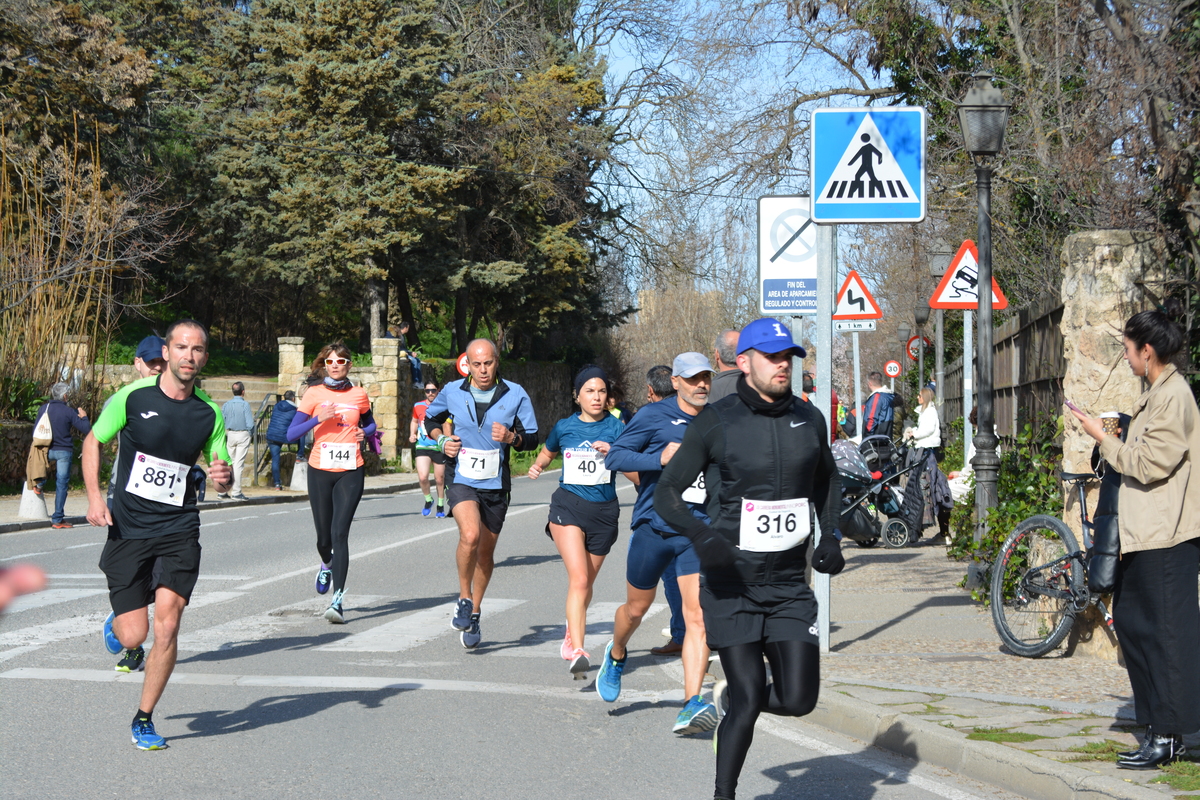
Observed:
{"x":413,"y":629}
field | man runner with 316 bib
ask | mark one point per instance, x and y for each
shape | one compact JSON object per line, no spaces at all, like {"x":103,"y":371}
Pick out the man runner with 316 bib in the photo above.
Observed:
{"x":490,"y":417}
{"x":769,"y":472}
{"x":153,"y":549}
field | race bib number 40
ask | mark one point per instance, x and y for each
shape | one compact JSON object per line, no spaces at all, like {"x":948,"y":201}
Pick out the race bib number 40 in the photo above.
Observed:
{"x":158,"y":479}
{"x":773,"y":526}
{"x":583,"y":466}
{"x":478,"y":465}
{"x":697,"y":492}
{"x":338,"y":455}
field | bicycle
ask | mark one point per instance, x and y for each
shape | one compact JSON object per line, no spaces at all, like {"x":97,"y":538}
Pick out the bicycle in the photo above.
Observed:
{"x":1039,"y":579}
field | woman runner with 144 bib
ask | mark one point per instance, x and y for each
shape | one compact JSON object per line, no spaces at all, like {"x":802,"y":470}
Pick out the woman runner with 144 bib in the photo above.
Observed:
{"x":584,"y":510}
{"x":341,"y":414}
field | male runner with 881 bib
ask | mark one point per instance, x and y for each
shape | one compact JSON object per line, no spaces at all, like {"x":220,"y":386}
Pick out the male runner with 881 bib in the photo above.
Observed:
{"x":769,"y":466}
{"x":153,"y":549}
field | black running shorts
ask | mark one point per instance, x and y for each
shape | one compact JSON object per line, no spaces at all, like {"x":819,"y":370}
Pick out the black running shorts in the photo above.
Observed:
{"x":760,"y":612}
{"x":136,"y":567}
{"x":437,"y":456}
{"x":598,"y":521}
{"x":493,"y":504}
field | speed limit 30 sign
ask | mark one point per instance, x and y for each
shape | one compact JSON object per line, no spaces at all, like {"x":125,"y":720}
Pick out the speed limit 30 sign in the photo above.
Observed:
{"x":892,"y":369}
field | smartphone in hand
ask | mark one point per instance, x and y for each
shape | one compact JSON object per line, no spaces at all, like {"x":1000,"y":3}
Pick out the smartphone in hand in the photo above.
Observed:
{"x":1073,"y":407}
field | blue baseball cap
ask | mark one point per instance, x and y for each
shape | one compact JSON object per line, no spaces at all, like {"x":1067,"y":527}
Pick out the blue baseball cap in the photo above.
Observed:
{"x":150,"y":348}
{"x":768,"y":336}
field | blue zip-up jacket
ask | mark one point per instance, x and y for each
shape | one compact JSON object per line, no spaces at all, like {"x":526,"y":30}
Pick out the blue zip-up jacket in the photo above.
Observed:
{"x":62,"y":419}
{"x":639,"y":448}
{"x":510,"y":407}
{"x":281,"y":417}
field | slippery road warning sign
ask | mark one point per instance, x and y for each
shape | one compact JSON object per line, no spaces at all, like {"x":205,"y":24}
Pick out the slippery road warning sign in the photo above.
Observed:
{"x":868,"y":164}
{"x":960,"y":285}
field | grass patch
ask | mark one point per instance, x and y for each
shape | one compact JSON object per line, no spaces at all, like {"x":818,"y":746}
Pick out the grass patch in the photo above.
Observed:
{"x":1183,"y":776}
{"x":521,"y":461}
{"x":1097,"y":751}
{"x":1002,"y":735}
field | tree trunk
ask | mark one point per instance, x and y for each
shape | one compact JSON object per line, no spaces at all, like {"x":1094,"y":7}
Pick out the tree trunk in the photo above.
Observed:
{"x":461,"y":299}
{"x":406,"y":311}
{"x":374,"y":312}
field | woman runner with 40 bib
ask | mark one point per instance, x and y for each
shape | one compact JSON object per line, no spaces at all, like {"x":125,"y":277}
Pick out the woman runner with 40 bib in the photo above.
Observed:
{"x":341,"y":414}
{"x":584,"y":510}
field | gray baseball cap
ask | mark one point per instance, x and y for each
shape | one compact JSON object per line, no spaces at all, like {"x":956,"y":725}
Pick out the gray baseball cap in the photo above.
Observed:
{"x":688,"y":365}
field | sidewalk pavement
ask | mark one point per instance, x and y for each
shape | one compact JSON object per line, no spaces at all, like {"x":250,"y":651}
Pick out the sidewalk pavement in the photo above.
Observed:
{"x":915,"y":667}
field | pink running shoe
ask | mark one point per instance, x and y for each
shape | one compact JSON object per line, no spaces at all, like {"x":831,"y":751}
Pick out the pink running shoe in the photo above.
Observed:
{"x":580,"y":663}
{"x":567,"y":651}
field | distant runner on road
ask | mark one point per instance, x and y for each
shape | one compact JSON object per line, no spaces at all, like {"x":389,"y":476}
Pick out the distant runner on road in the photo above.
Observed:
{"x":153,"y":550}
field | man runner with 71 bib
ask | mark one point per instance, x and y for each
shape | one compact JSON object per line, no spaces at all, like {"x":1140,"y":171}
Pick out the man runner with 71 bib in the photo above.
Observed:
{"x":490,"y":417}
{"x":766,"y":456}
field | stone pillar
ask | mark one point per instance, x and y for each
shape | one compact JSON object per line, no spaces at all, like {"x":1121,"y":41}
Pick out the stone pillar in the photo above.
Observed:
{"x":385,"y":360}
{"x":77,"y":355}
{"x":1099,"y":294}
{"x":292,"y":369}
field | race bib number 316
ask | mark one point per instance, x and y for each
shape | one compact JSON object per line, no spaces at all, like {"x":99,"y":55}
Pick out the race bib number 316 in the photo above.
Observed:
{"x":773,"y":526}
{"x":158,"y":479}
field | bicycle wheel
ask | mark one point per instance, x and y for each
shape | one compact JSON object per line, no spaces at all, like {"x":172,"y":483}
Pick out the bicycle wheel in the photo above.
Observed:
{"x":1035,"y":580}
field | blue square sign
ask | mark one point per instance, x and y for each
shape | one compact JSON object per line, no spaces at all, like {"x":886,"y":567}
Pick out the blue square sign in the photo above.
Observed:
{"x":868,"y":165}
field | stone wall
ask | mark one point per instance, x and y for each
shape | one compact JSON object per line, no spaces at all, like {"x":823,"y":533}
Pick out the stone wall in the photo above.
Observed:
{"x":15,"y":441}
{"x":1100,"y":291}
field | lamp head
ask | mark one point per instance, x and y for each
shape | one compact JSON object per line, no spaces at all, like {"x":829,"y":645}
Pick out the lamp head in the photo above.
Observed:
{"x":983,"y":116}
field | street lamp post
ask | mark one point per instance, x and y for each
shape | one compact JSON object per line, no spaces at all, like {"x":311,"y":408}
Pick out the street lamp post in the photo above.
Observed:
{"x":922,"y":317}
{"x":983,"y":115}
{"x":939,"y":262}
{"x":903,"y":331}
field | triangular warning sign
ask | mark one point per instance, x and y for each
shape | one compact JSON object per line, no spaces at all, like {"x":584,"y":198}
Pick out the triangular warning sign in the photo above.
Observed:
{"x":867,"y":172}
{"x":854,"y":301}
{"x":960,"y":285}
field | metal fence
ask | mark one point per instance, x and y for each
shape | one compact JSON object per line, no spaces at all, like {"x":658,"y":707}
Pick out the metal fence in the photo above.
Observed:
{"x":1029,"y":369}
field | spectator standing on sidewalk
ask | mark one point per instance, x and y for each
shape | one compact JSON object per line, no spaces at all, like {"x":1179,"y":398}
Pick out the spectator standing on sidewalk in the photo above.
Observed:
{"x":725,"y":353}
{"x":63,"y":419}
{"x":239,"y":423}
{"x":1155,"y":609}
{"x":400,"y":332}
{"x":281,"y":417}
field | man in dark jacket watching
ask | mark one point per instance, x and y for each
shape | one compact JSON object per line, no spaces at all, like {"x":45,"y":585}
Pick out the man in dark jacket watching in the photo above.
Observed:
{"x":63,"y":419}
{"x":281,"y":418}
{"x":766,"y":461}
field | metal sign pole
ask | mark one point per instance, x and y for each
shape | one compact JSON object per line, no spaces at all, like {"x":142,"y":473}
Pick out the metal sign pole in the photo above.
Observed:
{"x":826,"y":287}
{"x":968,"y":379}
{"x":858,"y":414}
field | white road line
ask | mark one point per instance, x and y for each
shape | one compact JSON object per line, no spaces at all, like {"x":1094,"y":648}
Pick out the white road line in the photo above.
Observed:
{"x":599,"y":631}
{"x":267,"y":625}
{"x":862,"y":759}
{"x":338,"y":682}
{"x":384,"y":548}
{"x":48,"y":552}
{"x":99,"y":576}
{"x":49,"y":597}
{"x":411,"y":630}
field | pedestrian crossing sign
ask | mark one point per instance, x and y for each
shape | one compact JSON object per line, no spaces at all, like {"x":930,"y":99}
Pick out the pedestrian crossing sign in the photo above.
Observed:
{"x":854,"y":301}
{"x":868,"y":165}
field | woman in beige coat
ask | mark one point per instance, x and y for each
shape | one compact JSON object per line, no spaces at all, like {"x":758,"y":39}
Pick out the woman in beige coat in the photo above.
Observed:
{"x":1155,"y":607}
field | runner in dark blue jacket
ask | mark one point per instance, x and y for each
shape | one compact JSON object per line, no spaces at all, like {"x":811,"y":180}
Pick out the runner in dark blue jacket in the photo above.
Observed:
{"x":645,"y":446}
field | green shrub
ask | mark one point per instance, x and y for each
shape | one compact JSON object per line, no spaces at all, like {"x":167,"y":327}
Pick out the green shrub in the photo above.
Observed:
{"x":1028,"y":484}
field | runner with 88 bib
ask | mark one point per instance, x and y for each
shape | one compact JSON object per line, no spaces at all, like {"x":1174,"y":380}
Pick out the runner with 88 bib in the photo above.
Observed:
{"x":341,"y":414}
{"x":584,"y":511}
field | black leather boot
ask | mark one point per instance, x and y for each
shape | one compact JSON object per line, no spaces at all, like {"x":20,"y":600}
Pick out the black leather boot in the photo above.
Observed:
{"x":1157,"y":751}
{"x":1145,"y":740}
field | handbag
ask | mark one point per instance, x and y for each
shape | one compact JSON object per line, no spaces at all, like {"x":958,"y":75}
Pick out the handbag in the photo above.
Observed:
{"x":1105,"y":553}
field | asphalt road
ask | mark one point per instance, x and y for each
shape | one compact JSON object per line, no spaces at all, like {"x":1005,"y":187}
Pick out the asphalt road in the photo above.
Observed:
{"x":270,"y":700}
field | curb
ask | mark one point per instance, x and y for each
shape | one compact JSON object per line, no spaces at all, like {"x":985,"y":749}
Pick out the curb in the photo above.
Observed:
{"x":1019,"y":772}
{"x":209,"y":505}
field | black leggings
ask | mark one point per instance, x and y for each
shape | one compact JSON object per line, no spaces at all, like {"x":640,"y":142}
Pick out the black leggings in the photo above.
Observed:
{"x":334,"y":498}
{"x":795,"y":684}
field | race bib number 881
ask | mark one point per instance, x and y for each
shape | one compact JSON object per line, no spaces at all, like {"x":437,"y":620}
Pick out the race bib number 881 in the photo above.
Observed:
{"x":158,"y":479}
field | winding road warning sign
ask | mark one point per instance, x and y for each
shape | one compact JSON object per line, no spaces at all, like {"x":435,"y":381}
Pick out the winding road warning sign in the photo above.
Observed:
{"x":854,"y":301}
{"x":960,"y":285}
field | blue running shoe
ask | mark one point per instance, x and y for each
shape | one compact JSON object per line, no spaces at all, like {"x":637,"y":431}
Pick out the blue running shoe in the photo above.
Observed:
{"x":462,"y":614}
{"x":428,"y":507}
{"x":110,"y":639}
{"x":696,"y":716}
{"x":471,"y":636}
{"x":608,"y":680}
{"x":324,"y":578}
{"x":441,"y":510}
{"x":334,"y":612}
{"x":145,"y":737}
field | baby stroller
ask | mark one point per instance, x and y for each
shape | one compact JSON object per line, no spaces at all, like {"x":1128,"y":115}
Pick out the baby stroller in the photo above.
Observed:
{"x":867,"y":493}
